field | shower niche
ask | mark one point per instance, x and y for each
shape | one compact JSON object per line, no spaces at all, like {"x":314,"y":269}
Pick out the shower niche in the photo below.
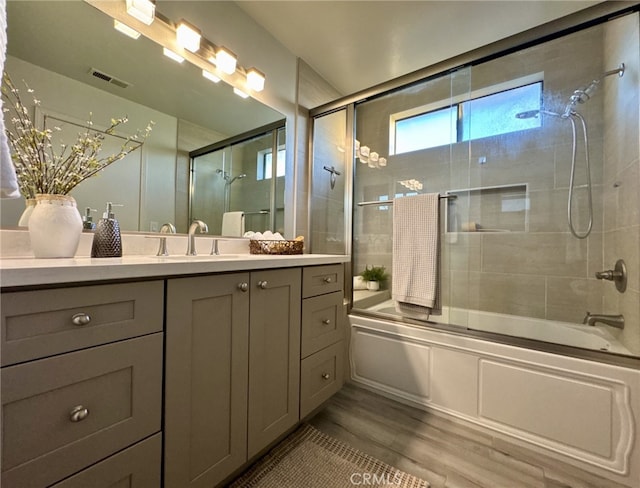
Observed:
{"x":488,"y":209}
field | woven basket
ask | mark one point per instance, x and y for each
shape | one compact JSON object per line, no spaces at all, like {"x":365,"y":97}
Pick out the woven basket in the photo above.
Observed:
{"x":275,"y":247}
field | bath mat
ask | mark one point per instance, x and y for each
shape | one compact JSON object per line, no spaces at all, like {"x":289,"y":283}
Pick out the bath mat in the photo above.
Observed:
{"x":309,"y":458}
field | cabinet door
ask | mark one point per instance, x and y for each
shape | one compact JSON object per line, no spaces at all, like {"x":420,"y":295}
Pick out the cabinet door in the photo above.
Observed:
{"x":274,"y":355}
{"x":66,"y":412}
{"x":206,"y":379}
{"x":135,"y":467}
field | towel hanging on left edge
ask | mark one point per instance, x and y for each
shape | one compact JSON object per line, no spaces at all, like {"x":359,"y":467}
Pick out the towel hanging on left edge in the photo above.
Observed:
{"x":8,"y":180}
{"x":416,"y":256}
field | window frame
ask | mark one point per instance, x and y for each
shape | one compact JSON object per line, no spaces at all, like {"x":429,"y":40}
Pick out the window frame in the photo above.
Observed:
{"x":457,"y":102}
{"x":262,"y":163}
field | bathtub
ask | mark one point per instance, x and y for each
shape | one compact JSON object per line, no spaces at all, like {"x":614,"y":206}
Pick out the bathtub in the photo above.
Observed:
{"x":585,"y":413}
{"x":598,"y":337}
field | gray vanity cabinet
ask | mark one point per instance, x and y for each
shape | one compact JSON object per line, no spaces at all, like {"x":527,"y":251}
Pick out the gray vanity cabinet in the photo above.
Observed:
{"x":322,"y":350}
{"x":207,"y":355}
{"x":274,"y":355}
{"x":81,"y":386}
{"x":232,"y":371}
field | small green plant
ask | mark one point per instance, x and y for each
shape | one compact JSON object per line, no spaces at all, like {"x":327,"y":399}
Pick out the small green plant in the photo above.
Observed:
{"x":374,"y":273}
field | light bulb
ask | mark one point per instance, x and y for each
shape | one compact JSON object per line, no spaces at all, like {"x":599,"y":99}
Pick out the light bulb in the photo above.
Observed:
{"x":143,"y":10}
{"x":188,"y":36}
{"x":226,"y":60}
{"x":255,"y":79}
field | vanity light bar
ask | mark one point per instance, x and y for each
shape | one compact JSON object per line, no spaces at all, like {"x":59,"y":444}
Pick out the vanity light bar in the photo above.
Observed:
{"x":210,"y":76}
{"x":143,"y":10}
{"x":188,"y":36}
{"x":170,"y":54}
{"x":125,"y":29}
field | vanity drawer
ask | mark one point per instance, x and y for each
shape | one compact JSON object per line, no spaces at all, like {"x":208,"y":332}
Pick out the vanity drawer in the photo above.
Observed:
{"x":135,"y":467}
{"x":320,"y":377}
{"x":318,"y":280}
{"x":46,"y":434}
{"x":321,"y":322}
{"x":37,"y":324}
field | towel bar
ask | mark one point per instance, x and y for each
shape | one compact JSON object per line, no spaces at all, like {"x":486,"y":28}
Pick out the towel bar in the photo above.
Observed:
{"x":390,"y":202}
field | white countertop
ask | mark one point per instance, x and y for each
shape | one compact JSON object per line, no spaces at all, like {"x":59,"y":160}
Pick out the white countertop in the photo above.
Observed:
{"x":29,"y":271}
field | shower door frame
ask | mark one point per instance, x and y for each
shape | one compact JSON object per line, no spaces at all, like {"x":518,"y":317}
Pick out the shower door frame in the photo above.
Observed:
{"x":272,"y":128}
{"x":575,"y":22}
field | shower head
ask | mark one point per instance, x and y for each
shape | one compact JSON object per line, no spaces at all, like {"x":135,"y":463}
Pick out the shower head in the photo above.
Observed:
{"x":534,"y":114}
{"x":239,"y":177}
{"x":581,"y":95}
{"x":529,"y":114}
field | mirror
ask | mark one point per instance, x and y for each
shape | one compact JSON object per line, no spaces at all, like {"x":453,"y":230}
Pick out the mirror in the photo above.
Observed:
{"x":57,"y":48}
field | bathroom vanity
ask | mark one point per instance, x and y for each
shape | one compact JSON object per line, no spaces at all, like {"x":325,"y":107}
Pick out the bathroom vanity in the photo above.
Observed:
{"x":112,"y":367}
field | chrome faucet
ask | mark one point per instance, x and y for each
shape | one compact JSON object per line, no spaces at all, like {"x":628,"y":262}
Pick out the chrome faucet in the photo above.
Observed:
{"x":167,"y":228}
{"x":196,"y":225}
{"x":612,"y":320}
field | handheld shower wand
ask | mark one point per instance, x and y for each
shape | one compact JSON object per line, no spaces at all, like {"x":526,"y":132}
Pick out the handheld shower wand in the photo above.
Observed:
{"x":579,"y":96}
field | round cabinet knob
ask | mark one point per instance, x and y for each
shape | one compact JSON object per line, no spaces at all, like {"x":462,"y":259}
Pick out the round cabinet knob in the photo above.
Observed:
{"x":327,"y":279}
{"x":262,"y":284}
{"x":243,"y":286}
{"x":326,"y":376}
{"x":81,"y":319}
{"x":326,"y":321}
{"x":78,"y":413}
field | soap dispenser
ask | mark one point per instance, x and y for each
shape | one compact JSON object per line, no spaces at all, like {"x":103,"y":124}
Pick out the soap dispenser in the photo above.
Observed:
{"x":87,"y":220}
{"x":107,"y":241}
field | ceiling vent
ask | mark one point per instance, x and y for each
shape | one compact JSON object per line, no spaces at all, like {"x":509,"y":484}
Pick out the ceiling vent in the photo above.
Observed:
{"x":108,"y":78}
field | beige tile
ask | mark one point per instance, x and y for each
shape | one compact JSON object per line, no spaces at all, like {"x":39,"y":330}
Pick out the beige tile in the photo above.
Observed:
{"x":513,"y":294}
{"x":628,"y":209}
{"x":464,"y":253}
{"x":509,"y":164}
{"x":596,"y":253}
{"x":624,"y":244}
{"x":627,"y":304}
{"x":548,"y":210}
{"x":609,"y":206}
{"x":568,"y":299}
{"x":564,"y":158}
{"x":551,"y":254}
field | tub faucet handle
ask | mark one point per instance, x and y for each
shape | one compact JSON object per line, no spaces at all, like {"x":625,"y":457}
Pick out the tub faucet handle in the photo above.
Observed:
{"x":618,"y":275}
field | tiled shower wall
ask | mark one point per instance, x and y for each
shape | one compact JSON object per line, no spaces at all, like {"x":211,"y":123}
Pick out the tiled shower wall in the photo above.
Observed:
{"x":622,"y":174}
{"x":538,"y":269}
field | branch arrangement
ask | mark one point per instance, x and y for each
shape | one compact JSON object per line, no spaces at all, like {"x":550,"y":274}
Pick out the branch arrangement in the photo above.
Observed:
{"x":39,"y":168}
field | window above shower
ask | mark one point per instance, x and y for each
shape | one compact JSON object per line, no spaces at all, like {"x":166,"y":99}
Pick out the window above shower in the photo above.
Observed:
{"x":486,"y":112}
{"x":265,"y":162}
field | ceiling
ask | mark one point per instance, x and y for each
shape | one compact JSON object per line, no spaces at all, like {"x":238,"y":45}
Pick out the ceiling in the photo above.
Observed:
{"x":355,"y":45}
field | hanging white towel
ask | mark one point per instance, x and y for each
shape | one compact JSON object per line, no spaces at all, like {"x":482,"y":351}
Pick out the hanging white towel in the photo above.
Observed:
{"x":233,"y":224}
{"x":416,"y":255}
{"x":8,"y":181}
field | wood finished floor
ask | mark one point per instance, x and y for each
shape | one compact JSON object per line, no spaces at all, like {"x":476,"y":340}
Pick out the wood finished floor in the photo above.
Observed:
{"x":443,"y":452}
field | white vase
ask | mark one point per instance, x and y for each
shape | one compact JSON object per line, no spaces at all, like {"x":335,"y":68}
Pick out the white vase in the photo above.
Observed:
{"x":373,"y":285}
{"x":55,"y":227}
{"x":30,"y":204}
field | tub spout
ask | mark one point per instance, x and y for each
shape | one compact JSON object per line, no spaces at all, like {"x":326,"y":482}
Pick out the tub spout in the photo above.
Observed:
{"x":612,"y":320}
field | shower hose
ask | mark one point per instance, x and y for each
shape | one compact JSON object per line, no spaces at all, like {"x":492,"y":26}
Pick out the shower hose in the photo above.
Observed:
{"x":572,"y":116}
